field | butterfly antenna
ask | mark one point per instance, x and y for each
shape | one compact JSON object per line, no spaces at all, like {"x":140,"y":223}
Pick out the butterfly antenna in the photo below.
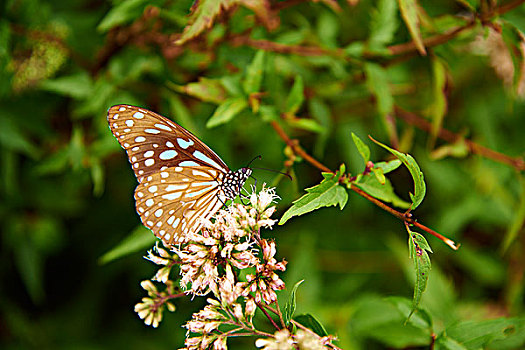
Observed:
{"x":251,"y":161}
{"x":276,"y":171}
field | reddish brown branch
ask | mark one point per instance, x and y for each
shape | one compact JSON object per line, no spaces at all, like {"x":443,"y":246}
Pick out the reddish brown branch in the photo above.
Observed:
{"x":517,"y":162}
{"x":297,"y":324}
{"x":298,"y":150}
{"x":509,"y":6}
{"x":405,"y":217}
{"x":268,"y":45}
{"x":410,"y":47}
{"x":262,"y":307}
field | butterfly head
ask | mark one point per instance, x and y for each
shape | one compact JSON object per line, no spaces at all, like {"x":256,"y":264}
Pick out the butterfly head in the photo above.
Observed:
{"x":233,"y":182}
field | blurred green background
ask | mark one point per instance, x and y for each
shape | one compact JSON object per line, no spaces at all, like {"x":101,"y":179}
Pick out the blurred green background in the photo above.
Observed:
{"x":67,"y":189}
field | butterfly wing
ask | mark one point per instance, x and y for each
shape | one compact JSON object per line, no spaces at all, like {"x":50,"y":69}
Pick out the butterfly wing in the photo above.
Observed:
{"x":172,"y":202}
{"x":179,"y":176}
{"x":154,"y":142}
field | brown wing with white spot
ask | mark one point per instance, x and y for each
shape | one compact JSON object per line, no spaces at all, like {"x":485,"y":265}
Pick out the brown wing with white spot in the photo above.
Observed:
{"x":172,"y":202}
{"x":154,"y":143}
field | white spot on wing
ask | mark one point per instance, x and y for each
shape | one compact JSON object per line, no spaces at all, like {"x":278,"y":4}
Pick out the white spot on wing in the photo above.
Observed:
{"x":140,"y":139}
{"x":169,"y":144}
{"x":187,"y":163}
{"x":204,"y":183}
{"x":171,"y":188}
{"x":153,"y":189}
{"x":121,"y":109}
{"x":148,"y":154}
{"x":130,"y":123}
{"x":204,"y":158}
{"x":149,"y":162}
{"x":169,"y":154}
{"x":194,"y":194}
{"x":183,"y":143}
{"x":200,"y":173}
{"x":152,"y":131}
{"x":172,"y":196}
{"x":158,"y":212}
{"x":163,"y":127}
{"x":138,"y":115}
{"x":150,"y":202}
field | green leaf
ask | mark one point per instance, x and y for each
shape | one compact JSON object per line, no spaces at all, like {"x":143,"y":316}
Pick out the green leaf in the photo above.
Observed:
{"x":77,"y":86}
{"x":296,"y":97}
{"x":207,"y":90}
{"x":327,"y":193}
{"x":139,"y":239}
{"x":254,"y":73}
{"x":268,"y":113}
{"x":29,"y":261}
{"x":421,"y":319}
{"x":445,"y":343}
{"x":13,"y":138}
{"x":97,"y":176}
{"x":410,"y":15}
{"x":309,"y":321}
{"x":202,"y":17}
{"x":227,"y":111}
{"x":438,"y":107}
{"x":382,"y":191}
{"x":380,"y":176}
{"x":383,"y":24}
{"x":233,"y":85}
{"x":383,"y":320}
{"x":418,"y":248}
{"x":388,"y":166}
{"x":306,"y":124}
{"x":289,"y":308}
{"x":489,"y":333}
{"x":513,"y":39}
{"x":413,"y":168}
{"x":517,"y":222}
{"x":124,"y":12}
{"x":363,"y":149}
{"x":377,"y":82}
{"x":458,"y":149}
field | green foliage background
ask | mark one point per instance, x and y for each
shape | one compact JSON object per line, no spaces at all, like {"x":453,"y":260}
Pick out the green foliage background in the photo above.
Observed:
{"x":329,"y":69}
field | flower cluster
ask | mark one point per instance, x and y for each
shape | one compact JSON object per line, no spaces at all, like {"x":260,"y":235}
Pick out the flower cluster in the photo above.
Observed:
{"x":265,"y":281}
{"x":229,"y":259}
{"x":208,"y":259}
{"x":206,"y":323}
{"x":151,"y":307}
{"x":283,"y":340}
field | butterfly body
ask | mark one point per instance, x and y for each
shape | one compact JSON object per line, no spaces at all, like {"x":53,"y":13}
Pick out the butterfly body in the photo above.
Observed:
{"x":181,"y":180}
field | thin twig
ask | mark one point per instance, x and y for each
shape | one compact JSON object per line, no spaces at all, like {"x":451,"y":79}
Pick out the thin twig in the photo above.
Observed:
{"x":405,"y":217}
{"x":279,"y":313}
{"x":517,"y":162}
{"x":410,"y":47}
{"x":304,"y":328}
{"x":297,"y":149}
{"x":262,"y":307}
{"x":268,"y":45}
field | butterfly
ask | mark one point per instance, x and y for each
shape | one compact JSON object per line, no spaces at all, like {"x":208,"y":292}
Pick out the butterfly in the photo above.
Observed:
{"x":181,"y":180}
